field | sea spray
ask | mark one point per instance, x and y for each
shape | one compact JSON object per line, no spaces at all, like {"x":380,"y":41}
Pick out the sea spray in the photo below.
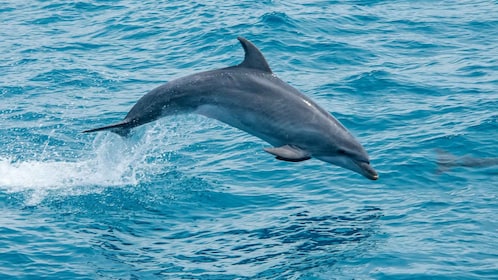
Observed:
{"x":112,"y":161}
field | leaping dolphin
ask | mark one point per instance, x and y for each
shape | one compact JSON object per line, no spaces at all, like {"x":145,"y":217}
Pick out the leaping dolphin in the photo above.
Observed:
{"x":251,"y":98}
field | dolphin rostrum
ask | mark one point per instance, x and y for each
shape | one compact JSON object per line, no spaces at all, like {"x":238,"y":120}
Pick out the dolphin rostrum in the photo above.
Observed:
{"x":251,"y":98}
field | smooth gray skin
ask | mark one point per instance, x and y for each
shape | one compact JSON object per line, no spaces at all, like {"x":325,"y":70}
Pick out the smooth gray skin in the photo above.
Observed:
{"x":251,"y":98}
{"x":446,"y":161}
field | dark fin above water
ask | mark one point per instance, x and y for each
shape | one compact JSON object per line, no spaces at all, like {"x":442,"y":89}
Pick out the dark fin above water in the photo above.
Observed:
{"x":289,"y":153}
{"x":253,"y":59}
{"x":121,"y":128}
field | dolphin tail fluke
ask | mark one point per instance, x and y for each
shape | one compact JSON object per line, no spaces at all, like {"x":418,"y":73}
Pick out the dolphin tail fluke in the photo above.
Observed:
{"x":121,"y":128}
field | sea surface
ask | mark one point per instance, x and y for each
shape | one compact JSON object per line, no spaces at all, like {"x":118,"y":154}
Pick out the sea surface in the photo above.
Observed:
{"x":187,"y":197}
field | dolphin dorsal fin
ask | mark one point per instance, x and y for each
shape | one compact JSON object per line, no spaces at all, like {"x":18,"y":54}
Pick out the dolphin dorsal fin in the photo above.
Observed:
{"x":253,"y":59}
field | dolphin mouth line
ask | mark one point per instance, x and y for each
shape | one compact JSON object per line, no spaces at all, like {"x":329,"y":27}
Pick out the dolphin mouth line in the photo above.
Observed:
{"x":367,"y":170}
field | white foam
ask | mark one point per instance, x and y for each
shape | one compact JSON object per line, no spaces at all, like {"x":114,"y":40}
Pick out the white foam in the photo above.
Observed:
{"x":112,"y":162}
{"x":56,"y":174}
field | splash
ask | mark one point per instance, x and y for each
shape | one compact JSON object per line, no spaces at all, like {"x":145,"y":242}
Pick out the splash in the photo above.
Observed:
{"x":113,"y":162}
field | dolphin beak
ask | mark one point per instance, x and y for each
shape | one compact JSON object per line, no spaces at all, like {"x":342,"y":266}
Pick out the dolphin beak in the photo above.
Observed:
{"x":360,"y":166}
{"x":368,"y":171}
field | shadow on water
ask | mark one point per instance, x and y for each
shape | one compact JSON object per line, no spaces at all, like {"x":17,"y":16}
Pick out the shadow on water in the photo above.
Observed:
{"x":278,"y":246}
{"x":315,"y":244}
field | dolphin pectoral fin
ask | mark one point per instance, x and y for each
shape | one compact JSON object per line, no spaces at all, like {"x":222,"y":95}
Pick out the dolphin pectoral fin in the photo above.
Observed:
{"x":289,"y":153}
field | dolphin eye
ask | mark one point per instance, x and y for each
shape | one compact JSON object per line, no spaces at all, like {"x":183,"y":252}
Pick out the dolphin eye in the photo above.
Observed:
{"x":341,"y":152}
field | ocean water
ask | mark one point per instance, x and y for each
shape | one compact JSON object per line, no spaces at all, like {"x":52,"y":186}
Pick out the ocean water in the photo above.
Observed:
{"x":188,"y":197}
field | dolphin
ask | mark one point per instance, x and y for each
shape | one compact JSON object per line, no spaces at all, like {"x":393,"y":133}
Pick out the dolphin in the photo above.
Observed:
{"x":446,"y":161}
{"x":250,"y":97}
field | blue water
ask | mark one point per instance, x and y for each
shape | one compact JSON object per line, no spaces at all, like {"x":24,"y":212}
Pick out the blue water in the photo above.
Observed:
{"x":187,"y":197}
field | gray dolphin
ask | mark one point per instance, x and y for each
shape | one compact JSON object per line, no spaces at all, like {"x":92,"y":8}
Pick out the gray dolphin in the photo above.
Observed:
{"x":446,"y":161}
{"x":251,"y":98}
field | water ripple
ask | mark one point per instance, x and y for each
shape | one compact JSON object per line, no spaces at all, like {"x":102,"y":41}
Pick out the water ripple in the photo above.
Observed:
{"x":189,"y":197}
